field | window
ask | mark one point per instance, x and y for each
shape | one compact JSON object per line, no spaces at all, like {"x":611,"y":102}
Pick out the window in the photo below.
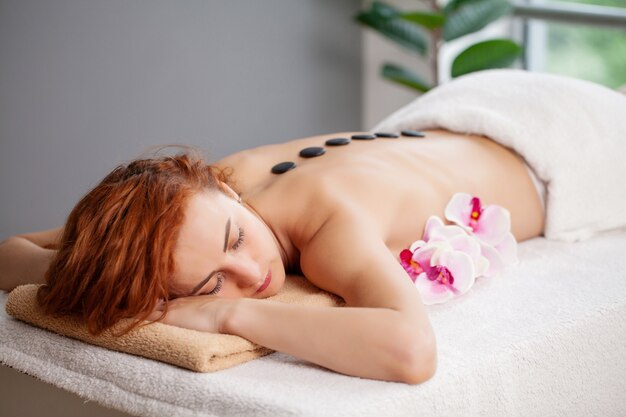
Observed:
{"x":577,"y":38}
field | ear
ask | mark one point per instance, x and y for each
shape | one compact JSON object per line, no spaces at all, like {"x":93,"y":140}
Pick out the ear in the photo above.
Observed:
{"x":226,"y":189}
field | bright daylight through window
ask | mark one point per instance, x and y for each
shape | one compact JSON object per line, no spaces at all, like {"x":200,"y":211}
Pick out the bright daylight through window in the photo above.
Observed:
{"x":595,"y":52}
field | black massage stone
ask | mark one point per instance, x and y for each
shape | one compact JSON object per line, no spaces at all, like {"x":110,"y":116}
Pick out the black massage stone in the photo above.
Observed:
{"x":386,"y":135}
{"x":413,"y":133}
{"x":283,"y":167}
{"x":337,"y":142}
{"x":312,"y":152}
{"x":363,"y":137}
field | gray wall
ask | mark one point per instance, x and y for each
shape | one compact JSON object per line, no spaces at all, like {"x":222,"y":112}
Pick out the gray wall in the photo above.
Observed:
{"x":87,"y":84}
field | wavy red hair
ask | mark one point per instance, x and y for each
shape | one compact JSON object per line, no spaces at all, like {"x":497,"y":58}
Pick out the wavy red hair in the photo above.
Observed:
{"x":115,"y":259}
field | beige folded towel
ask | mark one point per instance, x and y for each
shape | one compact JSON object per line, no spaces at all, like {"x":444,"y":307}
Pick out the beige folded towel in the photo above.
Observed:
{"x":198,"y":351}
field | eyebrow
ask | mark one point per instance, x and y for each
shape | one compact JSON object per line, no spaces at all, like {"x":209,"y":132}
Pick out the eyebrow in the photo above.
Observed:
{"x":204,"y":281}
{"x":226,"y":233}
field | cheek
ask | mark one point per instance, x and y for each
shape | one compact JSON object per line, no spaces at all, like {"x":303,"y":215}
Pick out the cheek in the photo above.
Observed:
{"x":260,"y":243}
{"x":258,"y":238}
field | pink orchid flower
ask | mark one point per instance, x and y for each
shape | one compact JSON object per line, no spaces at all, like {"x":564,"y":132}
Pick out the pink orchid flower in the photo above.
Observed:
{"x":456,"y":238}
{"x":447,"y":261}
{"x":491,"y":224}
{"x":446,"y":273}
{"x":440,"y":235}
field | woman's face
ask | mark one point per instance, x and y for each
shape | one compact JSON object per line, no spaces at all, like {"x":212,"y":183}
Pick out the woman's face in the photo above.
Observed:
{"x":225,"y":250}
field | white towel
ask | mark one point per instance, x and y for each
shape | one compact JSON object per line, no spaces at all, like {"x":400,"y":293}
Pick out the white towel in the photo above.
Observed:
{"x":572,"y":133}
{"x":546,"y":338}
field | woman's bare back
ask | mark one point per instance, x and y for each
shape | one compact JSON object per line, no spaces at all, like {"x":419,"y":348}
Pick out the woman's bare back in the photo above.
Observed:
{"x":392,"y":184}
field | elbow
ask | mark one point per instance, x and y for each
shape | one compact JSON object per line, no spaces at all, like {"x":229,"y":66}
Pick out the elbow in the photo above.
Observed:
{"x":418,"y":358}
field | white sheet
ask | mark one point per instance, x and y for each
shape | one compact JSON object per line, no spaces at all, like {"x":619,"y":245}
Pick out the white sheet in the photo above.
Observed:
{"x":545,"y":339}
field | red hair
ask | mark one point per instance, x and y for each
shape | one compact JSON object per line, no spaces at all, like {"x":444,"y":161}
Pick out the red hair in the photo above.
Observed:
{"x":115,"y":259}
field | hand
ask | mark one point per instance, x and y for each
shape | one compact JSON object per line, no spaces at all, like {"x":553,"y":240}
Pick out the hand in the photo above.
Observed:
{"x":204,"y":313}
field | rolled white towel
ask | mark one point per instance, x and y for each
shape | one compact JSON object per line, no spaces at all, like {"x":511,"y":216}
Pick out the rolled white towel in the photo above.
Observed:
{"x":572,"y":133}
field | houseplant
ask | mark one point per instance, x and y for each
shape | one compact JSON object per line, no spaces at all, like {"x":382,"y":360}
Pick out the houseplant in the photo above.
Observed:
{"x":421,"y":30}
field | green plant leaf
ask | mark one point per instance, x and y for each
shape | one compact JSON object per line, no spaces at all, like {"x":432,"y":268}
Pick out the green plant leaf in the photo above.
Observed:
{"x":384,"y":10}
{"x":452,"y":5}
{"x":471,"y":16}
{"x":405,"y":77}
{"x":385,"y":20}
{"x":495,"y":53}
{"x":429,"y":20}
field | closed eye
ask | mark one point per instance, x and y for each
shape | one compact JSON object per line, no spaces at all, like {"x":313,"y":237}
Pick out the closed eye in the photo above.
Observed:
{"x":218,"y":285}
{"x":240,"y":239}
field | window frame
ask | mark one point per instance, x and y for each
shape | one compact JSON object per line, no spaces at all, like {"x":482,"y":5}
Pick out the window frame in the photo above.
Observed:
{"x":560,"y":11}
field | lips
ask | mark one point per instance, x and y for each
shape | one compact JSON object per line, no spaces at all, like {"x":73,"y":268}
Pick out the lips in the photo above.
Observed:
{"x":266,"y":283}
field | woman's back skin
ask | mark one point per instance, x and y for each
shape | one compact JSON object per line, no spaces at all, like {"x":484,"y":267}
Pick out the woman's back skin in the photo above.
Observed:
{"x":341,"y":220}
{"x":393,"y":184}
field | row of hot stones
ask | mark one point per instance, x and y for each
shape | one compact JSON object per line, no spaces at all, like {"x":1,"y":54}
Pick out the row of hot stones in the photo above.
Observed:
{"x":314,"y":151}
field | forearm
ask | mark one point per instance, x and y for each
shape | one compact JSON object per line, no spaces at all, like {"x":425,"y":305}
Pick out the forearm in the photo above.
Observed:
{"x":22,"y":262}
{"x":375,"y":343}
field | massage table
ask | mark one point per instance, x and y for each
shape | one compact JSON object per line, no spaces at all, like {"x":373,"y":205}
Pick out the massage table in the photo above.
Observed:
{"x":545,"y":338}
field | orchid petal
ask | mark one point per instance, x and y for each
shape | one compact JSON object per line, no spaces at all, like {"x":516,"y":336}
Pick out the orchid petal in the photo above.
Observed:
{"x":495,"y":260}
{"x":405,"y":256}
{"x":423,"y":257}
{"x":432,"y":223}
{"x":431,"y":291}
{"x":446,"y":232}
{"x":416,"y":245}
{"x":459,"y":210}
{"x":493,"y":225}
{"x":466,"y":245}
{"x":441,"y":246}
{"x":481,"y":266}
{"x":508,"y":250}
{"x":470,"y":246}
{"x":405,"y":260}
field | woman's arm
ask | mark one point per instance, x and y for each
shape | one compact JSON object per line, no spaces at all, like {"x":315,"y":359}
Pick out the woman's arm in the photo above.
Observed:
{"x":382,"y":333}
{"x":376,"y":343}
{"x":25,"y":258}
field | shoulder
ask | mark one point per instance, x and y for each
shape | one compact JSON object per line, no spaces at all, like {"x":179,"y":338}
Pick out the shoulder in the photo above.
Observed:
{"x":47,"y":239}
{"x":348,"y":257}
{"x":308,"y":200}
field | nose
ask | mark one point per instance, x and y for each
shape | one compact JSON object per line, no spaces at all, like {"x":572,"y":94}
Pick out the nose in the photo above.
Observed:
{"x":245,"y":271}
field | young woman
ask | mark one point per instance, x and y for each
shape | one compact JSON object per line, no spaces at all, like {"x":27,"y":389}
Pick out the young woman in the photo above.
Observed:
{"x":174,"y":228}
{"x":198,"y":246}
